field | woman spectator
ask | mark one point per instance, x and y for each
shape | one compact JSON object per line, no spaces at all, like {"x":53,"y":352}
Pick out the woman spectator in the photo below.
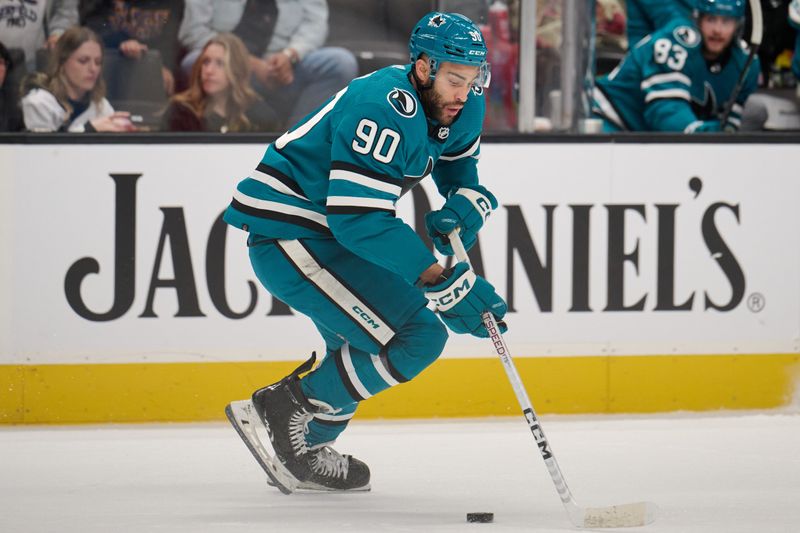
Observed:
{"x":71,"y":95}
{"x":219,"y":97}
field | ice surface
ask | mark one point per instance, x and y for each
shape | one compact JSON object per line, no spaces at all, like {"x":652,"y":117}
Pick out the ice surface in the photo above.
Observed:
{"x":726,"y":472}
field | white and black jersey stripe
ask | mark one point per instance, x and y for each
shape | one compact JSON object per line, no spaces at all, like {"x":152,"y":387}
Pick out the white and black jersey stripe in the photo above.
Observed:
{"x":469,"y":151}
{"x":373,"y":184}
{"x":333,"y":419}
{"x":666,"y":77}
{"x":277,"y":180}
{"x":667,"y":85}
{"x":668,"y":94}
{"x":371,"y":180}
{"x":279,"y":211}
{"x":386,"y":370}
{"x":349,"y":376}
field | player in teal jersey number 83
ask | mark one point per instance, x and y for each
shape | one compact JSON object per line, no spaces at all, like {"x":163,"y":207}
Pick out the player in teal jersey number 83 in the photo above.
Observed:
{"x":794,"y":21}
{"x":323,"y":237}
{"x":680,"y":77}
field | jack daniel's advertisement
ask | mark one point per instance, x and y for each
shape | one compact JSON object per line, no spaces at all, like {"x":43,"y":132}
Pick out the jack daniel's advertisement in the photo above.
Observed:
{"x":598,"y":249}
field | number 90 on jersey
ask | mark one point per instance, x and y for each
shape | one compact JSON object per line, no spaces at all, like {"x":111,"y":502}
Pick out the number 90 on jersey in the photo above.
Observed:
{"x":382,"y":145}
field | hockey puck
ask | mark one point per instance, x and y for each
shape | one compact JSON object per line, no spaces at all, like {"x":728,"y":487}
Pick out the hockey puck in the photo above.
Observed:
{"x":480,"y":517}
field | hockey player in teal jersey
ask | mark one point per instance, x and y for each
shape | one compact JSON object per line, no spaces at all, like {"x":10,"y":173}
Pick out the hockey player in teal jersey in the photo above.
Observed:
{"x":794,"y":21}
{"x":646,"y":16}
{"x":324,"y":238}
{"x":681,"y":77}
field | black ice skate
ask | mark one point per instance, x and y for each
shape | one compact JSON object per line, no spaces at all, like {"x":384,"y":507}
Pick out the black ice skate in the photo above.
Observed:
{"x":285,"y":412}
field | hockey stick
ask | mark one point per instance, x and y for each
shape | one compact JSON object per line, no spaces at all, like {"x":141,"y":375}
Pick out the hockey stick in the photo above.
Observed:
{"x":626,"y":515}
{"x":756,"y":33}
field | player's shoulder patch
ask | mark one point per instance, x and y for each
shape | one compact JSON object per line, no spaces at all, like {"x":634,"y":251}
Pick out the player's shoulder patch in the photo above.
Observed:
{"x":403,"y":102}
{"x":686,"y":36}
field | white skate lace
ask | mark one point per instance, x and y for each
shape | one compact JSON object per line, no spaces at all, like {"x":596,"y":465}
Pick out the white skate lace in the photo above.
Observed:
{"x":328,"y":462}
{"x":298,"y":427}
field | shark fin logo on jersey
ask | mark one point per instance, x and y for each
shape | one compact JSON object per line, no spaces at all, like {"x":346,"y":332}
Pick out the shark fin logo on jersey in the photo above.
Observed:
{"x":403,"y":102}
{"x":705,"y":109}
{"x":436,"y":20}
{"x":687,"y":36}
{"x":477,"y":90}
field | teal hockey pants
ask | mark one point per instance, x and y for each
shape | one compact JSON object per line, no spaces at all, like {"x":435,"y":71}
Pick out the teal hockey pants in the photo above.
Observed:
{"x":377,"y":329}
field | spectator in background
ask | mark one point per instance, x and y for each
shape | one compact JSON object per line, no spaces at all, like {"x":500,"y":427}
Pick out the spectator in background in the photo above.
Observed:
{"x":610,"y":25}
{"x":283,"y":38}
{"x":10,"y":113}
{"x":682,"y":78}
{"x":71,"y":95}
{"x":219,"y":97}
{"x":135,"y":26}
{"x":647,"y":16}
{"x":33,"y":24}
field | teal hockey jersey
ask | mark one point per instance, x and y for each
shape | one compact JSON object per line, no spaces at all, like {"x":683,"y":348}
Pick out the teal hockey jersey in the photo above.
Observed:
{"x":340,"y":171}
{"x":665,"y":84}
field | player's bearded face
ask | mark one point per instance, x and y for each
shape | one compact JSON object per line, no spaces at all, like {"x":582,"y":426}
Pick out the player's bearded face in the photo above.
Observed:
{"x":449,"y":93}
{"x":718,"y":33}
{"x":438,"y":108}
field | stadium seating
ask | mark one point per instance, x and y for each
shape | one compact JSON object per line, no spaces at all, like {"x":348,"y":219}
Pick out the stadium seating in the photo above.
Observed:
{"x":376,"y":31}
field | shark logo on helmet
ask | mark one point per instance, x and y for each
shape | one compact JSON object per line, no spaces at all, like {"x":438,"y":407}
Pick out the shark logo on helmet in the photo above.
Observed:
{"x":436,"y":21}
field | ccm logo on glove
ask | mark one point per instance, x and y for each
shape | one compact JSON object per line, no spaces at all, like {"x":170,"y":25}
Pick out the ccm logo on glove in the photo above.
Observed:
{"x":461,"y":297}
{"x":454,"y":292}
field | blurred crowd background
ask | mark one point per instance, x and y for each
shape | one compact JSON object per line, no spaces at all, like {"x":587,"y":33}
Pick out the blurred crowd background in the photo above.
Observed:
{"x":261,"y":65}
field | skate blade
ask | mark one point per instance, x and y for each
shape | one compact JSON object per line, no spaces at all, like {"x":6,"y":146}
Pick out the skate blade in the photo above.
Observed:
{"x":307,"y":486}
{"x":245,"y":421}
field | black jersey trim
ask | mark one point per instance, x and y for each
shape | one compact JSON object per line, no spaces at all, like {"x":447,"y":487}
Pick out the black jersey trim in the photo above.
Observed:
{"x":345,"y":378}
{"x":355,"y":210}
{"x":469,"y":147}
{"x":386,"y":178}
{"x":332,"y":423}
{"x":280,"y":217}
{"x":283,"y":178}
{"x":384,"y":357}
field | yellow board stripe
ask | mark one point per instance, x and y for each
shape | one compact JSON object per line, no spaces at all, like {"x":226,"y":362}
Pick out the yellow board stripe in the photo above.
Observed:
{"x":160,"y":392}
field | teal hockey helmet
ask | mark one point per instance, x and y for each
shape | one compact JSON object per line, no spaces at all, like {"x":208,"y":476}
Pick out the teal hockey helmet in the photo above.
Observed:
{"x":450,"y":37}
{"x":722,"y":8}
